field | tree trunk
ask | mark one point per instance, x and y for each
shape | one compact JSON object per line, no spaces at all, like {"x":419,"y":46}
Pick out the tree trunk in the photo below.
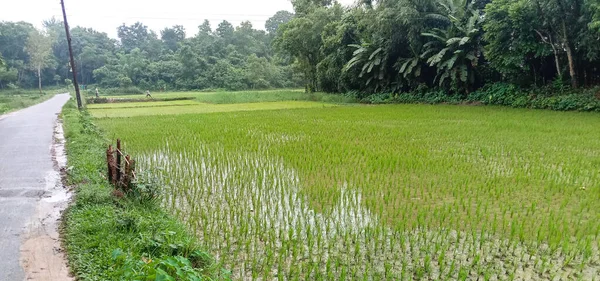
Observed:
{"x":556,"y":61}
{"x":39,"y":70}
{"x":550,"y":42}
{"x":572,"y":69}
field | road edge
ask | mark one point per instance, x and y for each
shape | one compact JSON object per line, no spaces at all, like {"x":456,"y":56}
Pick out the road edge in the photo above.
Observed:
{"x":42,"y":255}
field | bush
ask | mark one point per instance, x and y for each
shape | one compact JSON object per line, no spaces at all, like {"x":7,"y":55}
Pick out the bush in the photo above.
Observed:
{"x":554,"y":97}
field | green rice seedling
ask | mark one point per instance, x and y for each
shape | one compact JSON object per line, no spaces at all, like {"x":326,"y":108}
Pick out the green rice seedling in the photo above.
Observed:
{"x":385,"y":192}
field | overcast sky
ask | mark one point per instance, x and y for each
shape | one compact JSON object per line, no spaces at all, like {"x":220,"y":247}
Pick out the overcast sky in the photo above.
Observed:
{"x":107,"y":15}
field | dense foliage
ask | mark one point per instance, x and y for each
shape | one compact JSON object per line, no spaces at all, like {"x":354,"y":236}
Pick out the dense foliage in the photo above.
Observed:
{"x":372,"y":46}
{"x":454,"y":45}
{"x":228,"y":57}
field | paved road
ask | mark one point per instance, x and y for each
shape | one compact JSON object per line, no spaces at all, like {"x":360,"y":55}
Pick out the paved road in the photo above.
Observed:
{"x":25,"y":161}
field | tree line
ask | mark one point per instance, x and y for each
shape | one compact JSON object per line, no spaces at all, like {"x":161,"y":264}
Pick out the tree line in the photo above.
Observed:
{"x":454,"y":45}
{"x":228,"y":57}
{"x":373,"y":46}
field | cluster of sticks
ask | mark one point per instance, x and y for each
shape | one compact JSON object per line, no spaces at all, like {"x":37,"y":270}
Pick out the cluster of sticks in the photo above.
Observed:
{"x":121,"y":168}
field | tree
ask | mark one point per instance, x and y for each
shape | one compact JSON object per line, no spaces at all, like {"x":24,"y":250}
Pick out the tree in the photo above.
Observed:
{"x":562,"y":22}
{"x":305,"y":7}
{"x":205,"y":28}
{"x":171,"y":37}
{"x":39,"y":48}
{"x":225,"y":30}
{"x":13,"y":39}
{"x":139,"y":36}
{"x":301,"y":38}
{"x":594,"y":7}
{"x":7,"y":76}
{"x":259,"y":73}
{"x":92,"y":50}
{"x":273,"y":23}
{"x":518,"y":45}
{"x":455,"y":51}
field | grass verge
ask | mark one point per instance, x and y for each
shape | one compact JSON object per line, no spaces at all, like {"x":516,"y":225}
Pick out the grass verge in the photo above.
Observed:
{"x":11,"y":100}
{"x":110,"y":238}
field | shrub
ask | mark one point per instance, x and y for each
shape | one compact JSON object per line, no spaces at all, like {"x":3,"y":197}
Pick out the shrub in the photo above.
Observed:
{"x":554,"y":97}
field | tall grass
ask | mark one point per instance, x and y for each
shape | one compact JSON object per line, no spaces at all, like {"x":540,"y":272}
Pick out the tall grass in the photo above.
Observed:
{"x":382,"y":193}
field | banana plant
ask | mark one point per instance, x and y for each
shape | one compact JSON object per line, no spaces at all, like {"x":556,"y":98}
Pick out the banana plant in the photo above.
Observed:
{"x":455,"y":51}
{"x":373,"y":61}
{"x":410,"y":68}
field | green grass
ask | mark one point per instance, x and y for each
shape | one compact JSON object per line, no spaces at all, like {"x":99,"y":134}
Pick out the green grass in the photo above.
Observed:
{"x":110,"y":238}
{"x":141,"y":104}
{"x":11,"y":100}
{"x":173,"y":108}
{"x":245,"y":96}
{"x":381,"y":192}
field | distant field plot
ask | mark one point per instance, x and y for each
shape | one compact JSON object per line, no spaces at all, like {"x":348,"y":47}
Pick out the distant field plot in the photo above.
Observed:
{"x":201,"y":95}
{"x":190,"y":107}
{"x":243,"y":96}
{"x":141,"y":104}
{"x":403,"y":192}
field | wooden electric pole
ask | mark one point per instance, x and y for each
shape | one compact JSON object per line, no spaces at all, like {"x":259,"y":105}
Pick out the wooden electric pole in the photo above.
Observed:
{"x":75,"y":84}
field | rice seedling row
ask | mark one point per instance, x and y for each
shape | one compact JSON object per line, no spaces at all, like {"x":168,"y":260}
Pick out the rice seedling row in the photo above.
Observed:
{"x":406,"y":192}
{"x":133,"y":109}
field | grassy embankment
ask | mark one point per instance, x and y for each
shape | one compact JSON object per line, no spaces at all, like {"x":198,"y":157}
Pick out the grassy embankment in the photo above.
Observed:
{"x":111,"y":238}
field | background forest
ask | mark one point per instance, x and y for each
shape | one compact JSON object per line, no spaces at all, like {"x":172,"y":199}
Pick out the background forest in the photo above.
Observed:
{"x":452,"y":48}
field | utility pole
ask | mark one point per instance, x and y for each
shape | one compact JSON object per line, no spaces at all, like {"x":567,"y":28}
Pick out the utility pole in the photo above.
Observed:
{"x":75,"y":84}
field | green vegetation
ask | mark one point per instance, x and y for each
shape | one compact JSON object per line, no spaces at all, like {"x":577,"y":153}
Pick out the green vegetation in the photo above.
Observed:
{"x":394,"y":192}
{"x":120,"y":111}
{"x":228,"y":57}
{"x":407,"y":48}
{"x":141,"y":104}
{"x":215,"y":102}
{"x":457,"y":46}
{"x":112,"y":238}
{"x":16,"y":99}
{"x":242,"y":96}
{"x":555,"y":98}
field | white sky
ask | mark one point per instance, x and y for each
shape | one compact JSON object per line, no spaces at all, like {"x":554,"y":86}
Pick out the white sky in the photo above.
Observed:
{"x":107,"y":15}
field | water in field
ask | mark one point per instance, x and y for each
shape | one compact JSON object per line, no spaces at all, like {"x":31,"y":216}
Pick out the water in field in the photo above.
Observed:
{"x":407,"y":192}
{"x":248,"y":209}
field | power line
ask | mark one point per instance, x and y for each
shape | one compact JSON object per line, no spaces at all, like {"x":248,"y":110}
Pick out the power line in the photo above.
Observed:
{"x":212,"y":17}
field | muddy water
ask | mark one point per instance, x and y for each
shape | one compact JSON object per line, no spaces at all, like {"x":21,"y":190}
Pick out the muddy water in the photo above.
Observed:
{"x":42,"y":257}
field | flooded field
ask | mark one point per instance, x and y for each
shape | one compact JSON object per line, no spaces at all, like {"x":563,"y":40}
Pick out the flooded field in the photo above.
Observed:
{"x":381,"y":193}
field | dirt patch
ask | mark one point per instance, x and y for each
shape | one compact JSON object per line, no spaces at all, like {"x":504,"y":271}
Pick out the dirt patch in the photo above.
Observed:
{"x":42,"y":257}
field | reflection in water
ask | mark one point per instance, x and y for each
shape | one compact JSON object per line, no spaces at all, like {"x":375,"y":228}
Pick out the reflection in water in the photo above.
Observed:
{"x":248,"y":211}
